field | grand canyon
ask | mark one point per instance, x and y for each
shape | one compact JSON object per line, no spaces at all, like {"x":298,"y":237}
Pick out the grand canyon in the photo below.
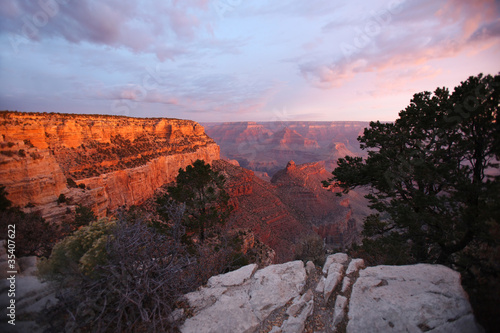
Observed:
{"x":119,"y":162}
{"x":273,"y":173}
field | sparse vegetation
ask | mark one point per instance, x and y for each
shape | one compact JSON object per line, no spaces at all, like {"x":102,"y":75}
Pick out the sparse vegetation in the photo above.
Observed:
{"x":83,"y":216}
{"x":34,"y":236}
{"x":8,"y":153}
{"x":311,"y":248}
{"x":61,"y":199}
{"x":71,"y":183}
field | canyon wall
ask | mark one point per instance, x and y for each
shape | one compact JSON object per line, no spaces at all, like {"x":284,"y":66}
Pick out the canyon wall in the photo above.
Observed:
{"x":98,"y":161}
{"x":259,"y":209}
{"x":283,"y":212}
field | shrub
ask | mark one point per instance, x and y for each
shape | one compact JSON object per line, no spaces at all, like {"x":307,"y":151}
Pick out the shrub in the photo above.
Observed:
{"x":21,"y":153}
{"x":122,"y":277}
{"x":311,"y":248}
{"x":82,"y":186}
{"x":71,"y":183}
{"x":35,"y":156}
{"x":83,"y":216}
{"x":61,"y":199}
{"x":28,"y":143}
{"x":77,"y":253}
{"x":34,"y":236}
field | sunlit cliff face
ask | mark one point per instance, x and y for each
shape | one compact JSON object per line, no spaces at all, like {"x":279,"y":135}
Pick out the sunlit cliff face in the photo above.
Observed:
{"x":119,"y":160}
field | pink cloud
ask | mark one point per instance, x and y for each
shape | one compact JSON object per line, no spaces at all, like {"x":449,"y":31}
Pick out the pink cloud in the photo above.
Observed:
{"x":459,"y":26}
{"x":142,"y":27}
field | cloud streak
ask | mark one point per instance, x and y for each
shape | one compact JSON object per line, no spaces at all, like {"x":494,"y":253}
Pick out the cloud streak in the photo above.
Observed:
{"x":384,"y":41}
{"x":163,"y":28}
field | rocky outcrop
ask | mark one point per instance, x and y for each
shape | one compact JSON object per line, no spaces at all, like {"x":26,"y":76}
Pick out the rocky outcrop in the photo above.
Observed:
{"x":419,"y":298}
{"x":294,"y":205}
{"x":343,"y":296}
{"x":241,"y":300}
{"x":116,"y":160}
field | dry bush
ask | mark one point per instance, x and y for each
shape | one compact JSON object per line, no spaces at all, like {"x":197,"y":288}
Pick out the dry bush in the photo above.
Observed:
{"x":138,"y":284}
{"x":311,"y":248}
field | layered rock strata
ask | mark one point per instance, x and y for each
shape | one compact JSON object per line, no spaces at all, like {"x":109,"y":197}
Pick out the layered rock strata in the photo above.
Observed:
{"x":115,"y":160}
{"x":259,"y":208}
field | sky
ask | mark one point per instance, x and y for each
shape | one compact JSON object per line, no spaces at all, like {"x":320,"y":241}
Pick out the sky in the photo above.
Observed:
{"x":240,"y":60}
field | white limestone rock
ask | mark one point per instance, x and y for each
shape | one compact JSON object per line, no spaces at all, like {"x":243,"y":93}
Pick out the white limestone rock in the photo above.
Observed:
{"x":234,"y":278}
{"x":320,"y":287}
{"x":338,"y":258}
{"x":335,"y":274}
{"x":204,"y":297}
{"x":346,"y":283}
{"x":241,"y":307}
{"x":339,"y":310}
{"x":275,"y":285}
{"x":297,"y":323}
{"x":299,"y":302}
{"x":230,"y":313}
{"x":355,"y":265}
{"x":410,"y":299}
{"x":310,"y":267}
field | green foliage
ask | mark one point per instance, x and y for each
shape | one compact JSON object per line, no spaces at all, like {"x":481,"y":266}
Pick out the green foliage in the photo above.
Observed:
{"x":78,"y":253}
{"x":124,"y":276}
{"x":427,"y":173}
{"x":83,"y":216}
{"x":202,"y":191}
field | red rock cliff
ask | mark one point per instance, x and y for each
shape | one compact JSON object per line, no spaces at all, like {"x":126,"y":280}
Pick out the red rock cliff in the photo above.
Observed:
{"x":120,"y":160}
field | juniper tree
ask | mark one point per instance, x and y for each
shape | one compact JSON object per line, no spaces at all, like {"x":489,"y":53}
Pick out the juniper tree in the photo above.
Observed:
{"x":428,"y":173}
{"x":206,"y":200}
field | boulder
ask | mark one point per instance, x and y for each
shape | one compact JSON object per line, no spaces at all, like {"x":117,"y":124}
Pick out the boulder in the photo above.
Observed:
{"x":339,"y":258}
{"x":417,"y":298}
{"x":241,"y":300}
{"x":335,"y":274}
{"x":275,"y":285}
{"x":339,"y":310}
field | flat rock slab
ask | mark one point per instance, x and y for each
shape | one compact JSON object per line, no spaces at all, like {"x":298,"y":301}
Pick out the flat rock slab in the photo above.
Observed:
{"x":417,"y":298}
{"x":233,"y":278}
{"x":244,"y":298}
